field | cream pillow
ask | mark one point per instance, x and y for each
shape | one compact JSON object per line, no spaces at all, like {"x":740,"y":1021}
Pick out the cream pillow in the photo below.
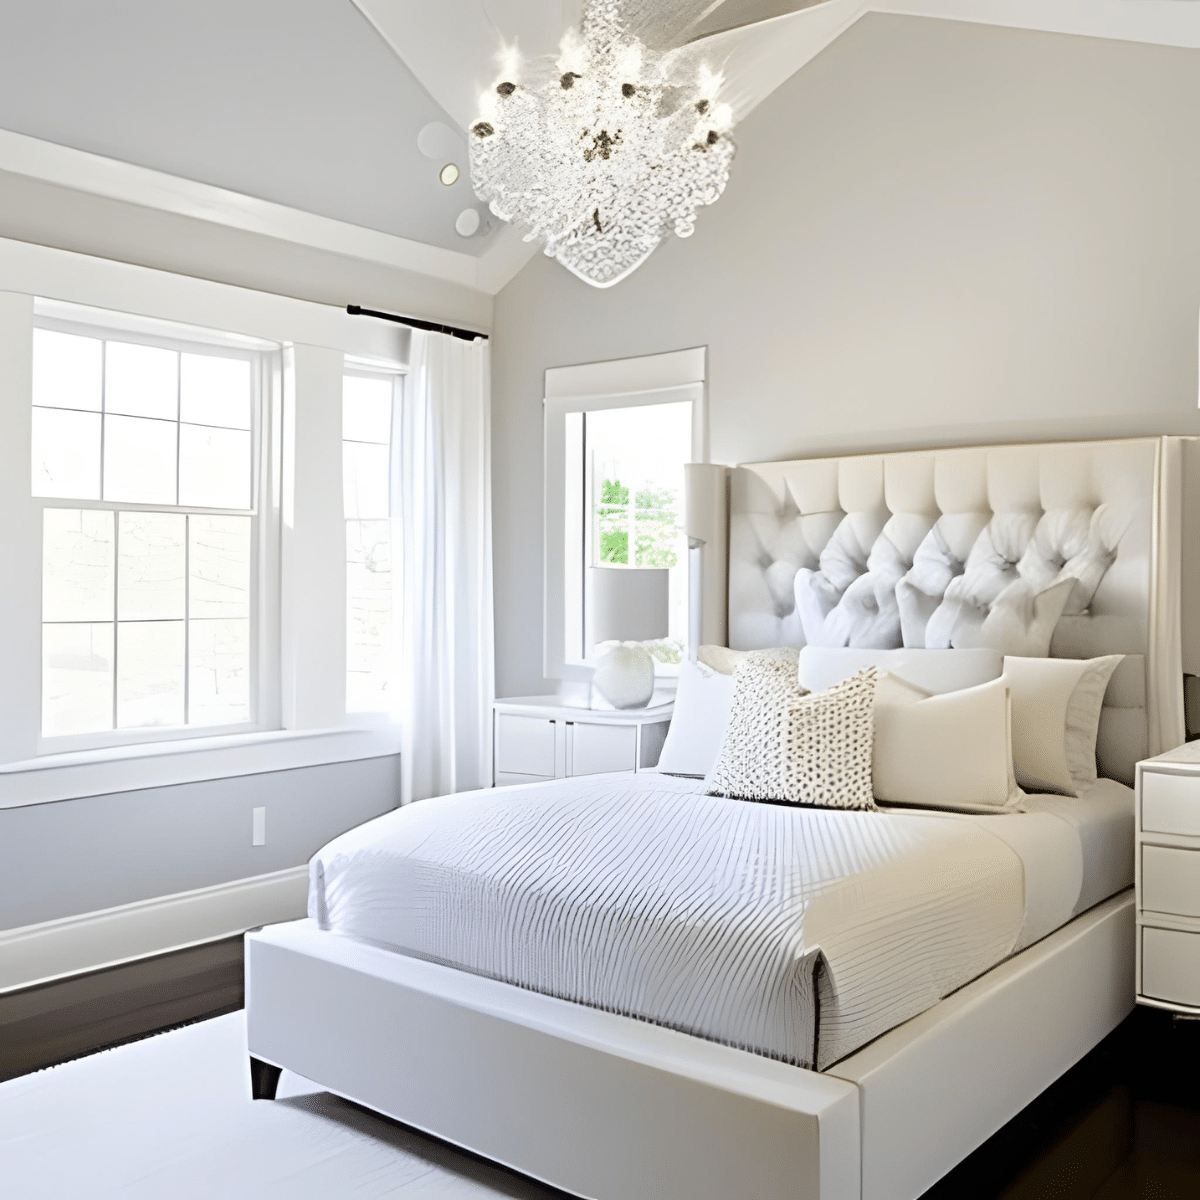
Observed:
{"x":951,"y":751}
{"x":796,"y":747}
{"x":1056,"y":706}
{"x":725,"y":661}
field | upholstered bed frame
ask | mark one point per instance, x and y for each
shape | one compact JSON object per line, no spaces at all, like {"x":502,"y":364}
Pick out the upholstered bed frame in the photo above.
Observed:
{"x":891,"y":538}
{"x":605,"y":1106}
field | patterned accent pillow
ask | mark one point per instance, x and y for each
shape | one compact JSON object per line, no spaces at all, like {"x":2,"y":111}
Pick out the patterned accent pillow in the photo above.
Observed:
{"x":798,"y":747}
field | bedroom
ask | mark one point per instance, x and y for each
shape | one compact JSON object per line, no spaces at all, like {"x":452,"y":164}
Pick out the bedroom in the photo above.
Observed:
{"x":936,"y":233}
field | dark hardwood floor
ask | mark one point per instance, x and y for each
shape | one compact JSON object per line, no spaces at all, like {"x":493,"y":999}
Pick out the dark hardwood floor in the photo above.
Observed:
{"x":1124,"y":1124}
{"x":44,"y":1025}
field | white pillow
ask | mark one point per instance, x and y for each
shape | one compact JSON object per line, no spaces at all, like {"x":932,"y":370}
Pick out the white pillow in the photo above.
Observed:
{"x":785,"y":745}
{"x":934,"y":670}
{"x":951,"y":751}
{"x":698,"y":721}
{"x":1056,"y":706}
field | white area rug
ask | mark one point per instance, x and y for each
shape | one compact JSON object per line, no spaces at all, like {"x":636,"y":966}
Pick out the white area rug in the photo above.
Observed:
{"x":171,"y":1116}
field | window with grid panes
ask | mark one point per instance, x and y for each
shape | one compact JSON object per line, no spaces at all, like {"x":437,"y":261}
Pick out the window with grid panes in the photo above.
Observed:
{"x":144,"y":460}
{"x":367,"y":406}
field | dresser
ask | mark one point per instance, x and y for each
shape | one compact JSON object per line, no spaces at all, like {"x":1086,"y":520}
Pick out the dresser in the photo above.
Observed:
{"x":1168,"y":880}
{"x":550,"y":737}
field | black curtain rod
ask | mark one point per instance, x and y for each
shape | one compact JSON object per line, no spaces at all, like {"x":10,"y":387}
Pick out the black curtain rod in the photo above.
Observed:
{"x":467,"y":335}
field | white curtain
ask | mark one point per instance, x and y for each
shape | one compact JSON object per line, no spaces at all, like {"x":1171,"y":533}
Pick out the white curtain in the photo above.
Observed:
{"x":445,"y":522}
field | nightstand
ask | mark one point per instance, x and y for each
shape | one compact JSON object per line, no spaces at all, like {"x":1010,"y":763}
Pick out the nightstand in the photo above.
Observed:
{"x":549,"y":737}
{"x":1168,"y":880}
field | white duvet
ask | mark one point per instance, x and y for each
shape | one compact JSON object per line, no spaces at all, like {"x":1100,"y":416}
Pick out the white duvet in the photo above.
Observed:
{"x":796,"y":933}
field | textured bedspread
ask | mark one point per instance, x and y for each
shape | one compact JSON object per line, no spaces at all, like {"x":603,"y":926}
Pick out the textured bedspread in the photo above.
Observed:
{"x":799,"y":934}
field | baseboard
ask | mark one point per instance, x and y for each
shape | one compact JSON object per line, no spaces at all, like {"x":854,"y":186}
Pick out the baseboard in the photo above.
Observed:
{"x":35,"y":954}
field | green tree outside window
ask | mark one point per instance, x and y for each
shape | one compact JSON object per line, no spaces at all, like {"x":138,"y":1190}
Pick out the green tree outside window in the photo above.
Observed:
{"x":655,"y":522}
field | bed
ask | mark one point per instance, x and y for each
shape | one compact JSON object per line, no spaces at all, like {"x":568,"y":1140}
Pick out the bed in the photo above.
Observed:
{"x":685,"y":1023}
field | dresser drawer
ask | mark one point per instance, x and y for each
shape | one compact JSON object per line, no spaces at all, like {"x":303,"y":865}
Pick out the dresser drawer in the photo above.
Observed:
{"x":1171,"y":881}
{"x":1171,"y":966}
{"x":1170,"y":803}
{"x":524,"y":745}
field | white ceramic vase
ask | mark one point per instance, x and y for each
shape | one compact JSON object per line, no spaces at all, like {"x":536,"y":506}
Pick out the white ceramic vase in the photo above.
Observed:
{"x":624,"y":675}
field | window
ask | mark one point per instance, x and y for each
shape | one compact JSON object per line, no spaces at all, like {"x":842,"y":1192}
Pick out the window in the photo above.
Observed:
{"x":144,"y":458}
{"x":635,"y":457}
{"x":618,"y":435}
{"x":367,"y":406}
{"x":631,"y":468}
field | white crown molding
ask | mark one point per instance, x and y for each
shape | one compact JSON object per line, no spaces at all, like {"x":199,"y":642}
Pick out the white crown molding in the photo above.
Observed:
{"x":97,"y":175}
{"x":1156,"y":22}
{"x":37,"y":954}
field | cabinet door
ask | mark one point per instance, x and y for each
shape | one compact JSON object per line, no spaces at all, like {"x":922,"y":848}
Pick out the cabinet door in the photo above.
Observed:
{"x":524,"y":745}
{"x":510,"y":778}
{"x":598,"y":748}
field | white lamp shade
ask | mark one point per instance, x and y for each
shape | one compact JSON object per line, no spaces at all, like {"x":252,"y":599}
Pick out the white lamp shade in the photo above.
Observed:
{"x":629,"y":604}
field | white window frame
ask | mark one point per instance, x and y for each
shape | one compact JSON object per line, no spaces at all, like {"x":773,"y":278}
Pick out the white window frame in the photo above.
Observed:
{"x":620,"y":383}
{"x":398,"y":375}
{"x":317,"y":339}
{"x":265,"y":358}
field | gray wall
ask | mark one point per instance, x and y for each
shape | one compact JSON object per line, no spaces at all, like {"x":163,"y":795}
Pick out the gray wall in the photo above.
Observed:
{"x":77,"y":856}
{"x":936,"y":233}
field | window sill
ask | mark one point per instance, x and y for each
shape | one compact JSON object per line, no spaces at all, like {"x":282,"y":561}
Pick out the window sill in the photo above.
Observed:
{"x":71,"y":776}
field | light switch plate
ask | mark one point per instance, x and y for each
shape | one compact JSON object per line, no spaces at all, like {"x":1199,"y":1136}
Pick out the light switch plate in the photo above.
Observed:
{"x":260,"y":827}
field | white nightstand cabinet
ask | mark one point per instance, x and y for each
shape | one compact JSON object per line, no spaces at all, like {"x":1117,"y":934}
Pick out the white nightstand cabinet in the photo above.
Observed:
{"x":1168,"y":880}
{"x":547,"y":737}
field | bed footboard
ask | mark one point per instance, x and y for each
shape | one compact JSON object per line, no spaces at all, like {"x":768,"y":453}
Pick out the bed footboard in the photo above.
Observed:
{"x":591,"y":1102}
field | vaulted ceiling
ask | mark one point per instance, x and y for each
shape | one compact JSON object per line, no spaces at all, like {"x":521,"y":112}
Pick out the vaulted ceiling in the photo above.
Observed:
{"x":295,"y":101}
{"x":349,"y":109}
{"x":451,"y":46}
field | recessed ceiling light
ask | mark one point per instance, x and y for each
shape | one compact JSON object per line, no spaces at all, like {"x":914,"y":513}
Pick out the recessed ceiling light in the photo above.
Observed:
{"x":449,"y":174}
{"x":468,"y":222}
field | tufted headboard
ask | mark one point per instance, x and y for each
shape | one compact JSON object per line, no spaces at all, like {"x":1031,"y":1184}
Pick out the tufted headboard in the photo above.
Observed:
{"x":883,"y":546}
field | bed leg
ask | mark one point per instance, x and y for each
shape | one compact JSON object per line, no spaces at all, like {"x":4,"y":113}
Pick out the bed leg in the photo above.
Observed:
{"x":264,"y":1079}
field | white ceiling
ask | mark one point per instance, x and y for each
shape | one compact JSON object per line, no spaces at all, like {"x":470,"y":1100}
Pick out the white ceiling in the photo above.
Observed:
{"x":295,"y":101}
{"x":302,"y":103}
{"x":451,"y":45}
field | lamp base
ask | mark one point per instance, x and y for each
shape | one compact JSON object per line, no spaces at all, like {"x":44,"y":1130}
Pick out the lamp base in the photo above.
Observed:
{"x":624,"y":675}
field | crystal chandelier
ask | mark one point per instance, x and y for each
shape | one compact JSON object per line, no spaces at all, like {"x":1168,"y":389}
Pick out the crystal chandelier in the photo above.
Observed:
{"x":605,"y":155}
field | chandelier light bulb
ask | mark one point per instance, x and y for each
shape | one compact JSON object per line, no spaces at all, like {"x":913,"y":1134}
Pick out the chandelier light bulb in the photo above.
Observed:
{"x":604,"y":152}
